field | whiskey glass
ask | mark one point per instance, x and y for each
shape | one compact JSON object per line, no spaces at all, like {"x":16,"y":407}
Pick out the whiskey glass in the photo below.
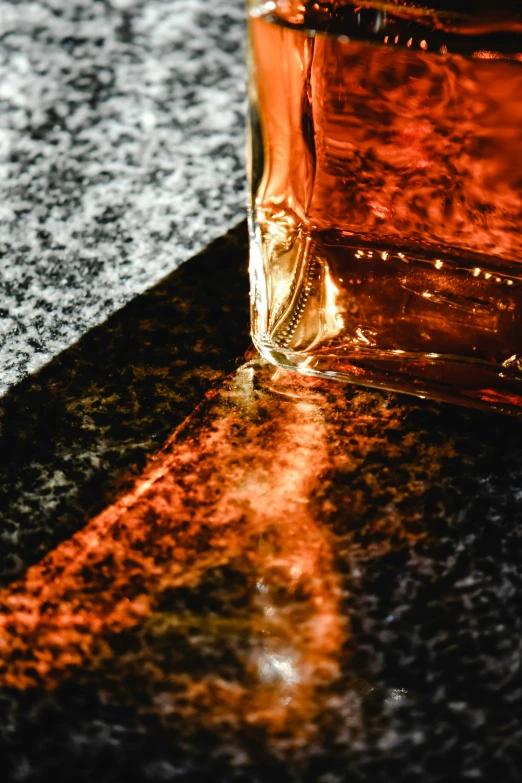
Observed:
{"x":385,"y":170}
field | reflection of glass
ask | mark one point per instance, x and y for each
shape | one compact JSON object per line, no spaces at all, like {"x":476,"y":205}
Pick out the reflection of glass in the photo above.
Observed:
{"x":386,"y":171}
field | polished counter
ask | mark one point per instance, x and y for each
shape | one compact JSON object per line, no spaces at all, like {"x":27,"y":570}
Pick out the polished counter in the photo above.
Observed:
{"x":215,"y":570}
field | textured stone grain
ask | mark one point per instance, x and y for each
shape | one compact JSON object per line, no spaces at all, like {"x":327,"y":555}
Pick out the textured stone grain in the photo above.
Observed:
{"x":307,"y":582}
{"x":121,"y":155}
{"x":74,"y":435}
{"x":253,"y":579}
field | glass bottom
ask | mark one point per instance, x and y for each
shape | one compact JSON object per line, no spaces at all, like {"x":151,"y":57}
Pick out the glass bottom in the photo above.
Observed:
{"x":464,"y":383}
{"x":419,"y":321}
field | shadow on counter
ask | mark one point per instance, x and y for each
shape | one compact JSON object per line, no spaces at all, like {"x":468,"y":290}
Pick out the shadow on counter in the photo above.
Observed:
{"x":310,"y":582}
{"x":74,"y":435}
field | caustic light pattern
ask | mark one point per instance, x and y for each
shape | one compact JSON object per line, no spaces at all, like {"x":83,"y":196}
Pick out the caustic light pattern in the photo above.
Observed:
{"x":183,"y":519}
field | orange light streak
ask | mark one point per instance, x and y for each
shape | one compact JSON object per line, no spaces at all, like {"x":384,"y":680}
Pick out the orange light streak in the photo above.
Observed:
{"x":208,"y":498}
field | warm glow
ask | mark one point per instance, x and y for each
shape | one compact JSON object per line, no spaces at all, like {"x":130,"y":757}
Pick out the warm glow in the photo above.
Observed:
{"x":485,"y":55}
{"x":361,"y":337}
{"x":333,"y":315}
{"x":207,"y":499}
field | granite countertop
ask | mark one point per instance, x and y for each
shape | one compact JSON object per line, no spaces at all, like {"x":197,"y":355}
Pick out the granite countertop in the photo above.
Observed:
{"x":121,"y":155}
{"x":211,"y":570}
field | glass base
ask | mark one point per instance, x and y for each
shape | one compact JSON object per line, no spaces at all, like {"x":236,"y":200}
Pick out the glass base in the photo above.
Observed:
{"x":446,"y":379}
{"x":433,"y":322}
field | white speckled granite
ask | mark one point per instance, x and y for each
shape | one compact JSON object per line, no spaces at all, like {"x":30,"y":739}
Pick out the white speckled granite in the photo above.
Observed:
{"x":121,"y":154}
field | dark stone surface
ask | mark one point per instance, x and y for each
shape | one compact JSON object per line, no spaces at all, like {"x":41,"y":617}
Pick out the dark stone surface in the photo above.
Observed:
{"x":77,"y":433}
{"x":303,"y":581}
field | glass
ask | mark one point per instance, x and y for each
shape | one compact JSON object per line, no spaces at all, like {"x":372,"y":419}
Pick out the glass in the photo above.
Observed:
{"x":386,"y":179}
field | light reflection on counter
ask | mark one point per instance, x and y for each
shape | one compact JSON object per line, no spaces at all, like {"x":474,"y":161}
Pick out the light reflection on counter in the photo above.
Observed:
{"x":234,"y":484}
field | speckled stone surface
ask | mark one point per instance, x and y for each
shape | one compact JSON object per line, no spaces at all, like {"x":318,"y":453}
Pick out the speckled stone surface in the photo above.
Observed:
{"x":121,"y":155}
{"x":74,"y":435}
{"x":301,"y":581}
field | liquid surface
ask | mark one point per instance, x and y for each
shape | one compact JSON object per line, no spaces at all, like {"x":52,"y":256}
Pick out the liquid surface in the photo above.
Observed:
{"x":387,"y":193}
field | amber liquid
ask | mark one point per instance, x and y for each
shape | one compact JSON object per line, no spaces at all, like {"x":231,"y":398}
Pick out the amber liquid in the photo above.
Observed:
{"x":386,"y":175}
